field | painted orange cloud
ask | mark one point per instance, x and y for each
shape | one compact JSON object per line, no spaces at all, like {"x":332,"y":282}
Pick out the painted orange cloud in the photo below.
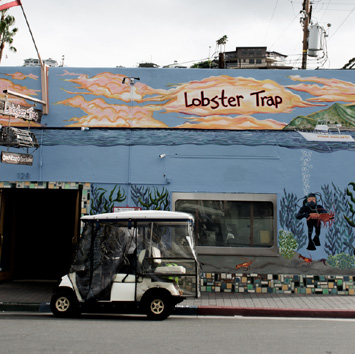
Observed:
{"x":110,"y":85}
{"x":101,"y":114}
{"x":236,"y":123}
{"x":332,"y":90}
{"x":21,"y":76}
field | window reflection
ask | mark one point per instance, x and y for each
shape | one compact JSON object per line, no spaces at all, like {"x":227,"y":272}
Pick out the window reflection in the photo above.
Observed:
{"x":226,"y":223}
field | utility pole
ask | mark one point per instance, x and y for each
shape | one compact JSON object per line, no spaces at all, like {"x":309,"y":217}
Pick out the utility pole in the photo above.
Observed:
{"x":307,"y":12}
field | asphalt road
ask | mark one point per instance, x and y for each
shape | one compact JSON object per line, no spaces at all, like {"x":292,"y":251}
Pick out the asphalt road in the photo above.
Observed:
{"x":42,"y":333}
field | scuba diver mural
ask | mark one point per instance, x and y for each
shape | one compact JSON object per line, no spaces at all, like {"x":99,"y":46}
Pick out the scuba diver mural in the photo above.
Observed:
{"x":315,"y":214}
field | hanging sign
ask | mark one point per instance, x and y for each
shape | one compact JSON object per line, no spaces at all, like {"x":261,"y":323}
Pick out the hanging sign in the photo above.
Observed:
{"x":16,"y":159}
{"x":15,"y":110}
{"x":14,"y":137}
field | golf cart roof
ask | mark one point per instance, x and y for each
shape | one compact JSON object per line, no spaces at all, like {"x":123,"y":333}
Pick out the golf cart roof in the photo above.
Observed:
{"x":140,"y":215}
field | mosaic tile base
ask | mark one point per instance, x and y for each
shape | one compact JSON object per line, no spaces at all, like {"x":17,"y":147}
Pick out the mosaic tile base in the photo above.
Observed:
{"x":277,"y":283}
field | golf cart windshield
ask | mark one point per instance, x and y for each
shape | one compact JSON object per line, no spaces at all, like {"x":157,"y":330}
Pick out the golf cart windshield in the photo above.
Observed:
{"x":160,"y":249}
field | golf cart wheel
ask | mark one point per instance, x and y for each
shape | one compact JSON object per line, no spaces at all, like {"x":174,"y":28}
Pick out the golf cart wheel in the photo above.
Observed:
{"x":158,"y":307}
{"x":64,"y":304}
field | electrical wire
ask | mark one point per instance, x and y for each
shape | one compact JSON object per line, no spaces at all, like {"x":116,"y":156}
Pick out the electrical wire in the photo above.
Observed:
{"x":272,"y":17}
{"x":325,"y":10}
{"x":187,"y":62}
{"x":282,"y":33}
{"x":342,"y":22}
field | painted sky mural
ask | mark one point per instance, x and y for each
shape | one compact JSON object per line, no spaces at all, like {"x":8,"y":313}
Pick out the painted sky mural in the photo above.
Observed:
{"x":211,"y":101}
{"x":8,"y":82}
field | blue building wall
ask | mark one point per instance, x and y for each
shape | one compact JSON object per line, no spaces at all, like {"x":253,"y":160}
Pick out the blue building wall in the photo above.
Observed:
{"x":111,"y":135}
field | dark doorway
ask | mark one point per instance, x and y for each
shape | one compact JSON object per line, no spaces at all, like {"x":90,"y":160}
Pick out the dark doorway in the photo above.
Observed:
{"x":38,"y":229}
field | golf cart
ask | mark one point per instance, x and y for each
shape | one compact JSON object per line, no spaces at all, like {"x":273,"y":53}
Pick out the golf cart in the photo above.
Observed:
{"x":130,"y":262}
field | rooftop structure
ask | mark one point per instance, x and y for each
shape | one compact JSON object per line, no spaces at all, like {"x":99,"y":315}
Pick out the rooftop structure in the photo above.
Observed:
{"x":35,"y":62}
{"x":255,"y":58}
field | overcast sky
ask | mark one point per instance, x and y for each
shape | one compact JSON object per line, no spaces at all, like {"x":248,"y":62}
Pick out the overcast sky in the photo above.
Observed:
{"x":110,"y":33}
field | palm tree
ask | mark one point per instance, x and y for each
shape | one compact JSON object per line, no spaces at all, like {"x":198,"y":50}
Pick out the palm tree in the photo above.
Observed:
{"x":222,"y":42}
{"x":6,"y":33}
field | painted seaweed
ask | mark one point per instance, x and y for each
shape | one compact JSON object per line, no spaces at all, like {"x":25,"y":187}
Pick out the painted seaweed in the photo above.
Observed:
{"x":342,"y":261}
{"x":340,"y":236}
{"x":150,"y":198}
{"x":287,"y":244}
{"x":351,"y":204}
{"x":100,"y":204}
{"x":287,"y":218}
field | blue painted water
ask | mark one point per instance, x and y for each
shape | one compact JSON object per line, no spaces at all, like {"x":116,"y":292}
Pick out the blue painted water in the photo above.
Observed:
{"x":113,"y":137}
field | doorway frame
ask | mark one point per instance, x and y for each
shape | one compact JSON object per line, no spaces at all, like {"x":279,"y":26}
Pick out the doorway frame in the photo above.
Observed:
{"x":83,"y":207}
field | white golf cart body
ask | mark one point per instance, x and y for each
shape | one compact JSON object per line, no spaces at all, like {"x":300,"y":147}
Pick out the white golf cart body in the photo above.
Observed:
{"x":131,"y":261}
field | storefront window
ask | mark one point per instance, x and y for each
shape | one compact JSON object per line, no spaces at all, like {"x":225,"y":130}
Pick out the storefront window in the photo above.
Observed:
{"x":237,"y":221}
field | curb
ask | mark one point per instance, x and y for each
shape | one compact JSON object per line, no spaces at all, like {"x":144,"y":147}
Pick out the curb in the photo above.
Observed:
{"x":273,"y":312}
{"x":210,"y":311}
{"x":26,"y":307}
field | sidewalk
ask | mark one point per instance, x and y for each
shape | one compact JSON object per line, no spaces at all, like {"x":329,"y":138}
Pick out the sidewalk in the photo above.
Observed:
{"x":35,"y":297}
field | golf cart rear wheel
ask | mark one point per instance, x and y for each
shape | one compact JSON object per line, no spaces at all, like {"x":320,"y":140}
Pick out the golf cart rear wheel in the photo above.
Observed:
{"x":64,"y":304}
{"x":158,"y":307}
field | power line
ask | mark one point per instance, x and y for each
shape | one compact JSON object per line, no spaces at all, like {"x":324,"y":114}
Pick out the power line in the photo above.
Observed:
{"x":282,"y":33}
{"x":342,"y":22}
{"x":189,"y":61}
{"x":272,"y":17}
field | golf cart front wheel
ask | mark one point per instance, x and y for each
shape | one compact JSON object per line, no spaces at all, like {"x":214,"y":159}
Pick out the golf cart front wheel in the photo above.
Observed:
{"x":64,"y":304}
{"x":158,"y":307}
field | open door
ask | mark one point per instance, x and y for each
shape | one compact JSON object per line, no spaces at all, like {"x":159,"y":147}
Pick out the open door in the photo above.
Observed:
{"x":38,"y":228}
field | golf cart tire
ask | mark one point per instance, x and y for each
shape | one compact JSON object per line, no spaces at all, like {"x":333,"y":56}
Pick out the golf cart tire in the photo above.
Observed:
{"x":64,"y":304}
{"x":157,"y":306}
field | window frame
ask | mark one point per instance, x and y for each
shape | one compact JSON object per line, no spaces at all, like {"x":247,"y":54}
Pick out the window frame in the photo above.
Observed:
{"x":247,"y":197}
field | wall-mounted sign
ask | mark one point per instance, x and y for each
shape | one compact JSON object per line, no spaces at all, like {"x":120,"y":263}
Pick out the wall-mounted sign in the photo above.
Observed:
{"x":16,"y":159}
{"x":15,"y":110}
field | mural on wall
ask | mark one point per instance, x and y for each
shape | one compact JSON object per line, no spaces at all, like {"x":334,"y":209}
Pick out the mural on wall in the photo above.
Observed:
{"x":329,"y":230}
{"x":315,"y":214}
{"x":150,"y":198}
{"x":215,"y":102}
{"x":101,"y":203}
{"x":143,"y":197}
{"x":111,"y":100}
{"x":204,"y":107}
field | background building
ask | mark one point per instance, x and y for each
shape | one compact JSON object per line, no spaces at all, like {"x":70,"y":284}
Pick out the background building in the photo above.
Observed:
{"x":35,"y":62}
{"x":255,"y":58}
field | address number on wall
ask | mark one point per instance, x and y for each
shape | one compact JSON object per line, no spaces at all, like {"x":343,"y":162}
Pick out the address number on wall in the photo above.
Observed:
{"x":23,"y":175}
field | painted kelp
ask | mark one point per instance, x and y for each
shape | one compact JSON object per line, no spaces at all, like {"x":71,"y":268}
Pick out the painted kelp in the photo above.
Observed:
{"x":102,"y":204}
{"x":146,"y":198}
{"x":150,"y":198}
{"x":341,"y":236}
{"x":288,"y":245}
{"x":351,"y":203}
{"x":288,"y":222}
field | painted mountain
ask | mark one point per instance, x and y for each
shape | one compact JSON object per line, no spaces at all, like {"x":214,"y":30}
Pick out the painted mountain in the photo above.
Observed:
{"x":336,"y":114}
